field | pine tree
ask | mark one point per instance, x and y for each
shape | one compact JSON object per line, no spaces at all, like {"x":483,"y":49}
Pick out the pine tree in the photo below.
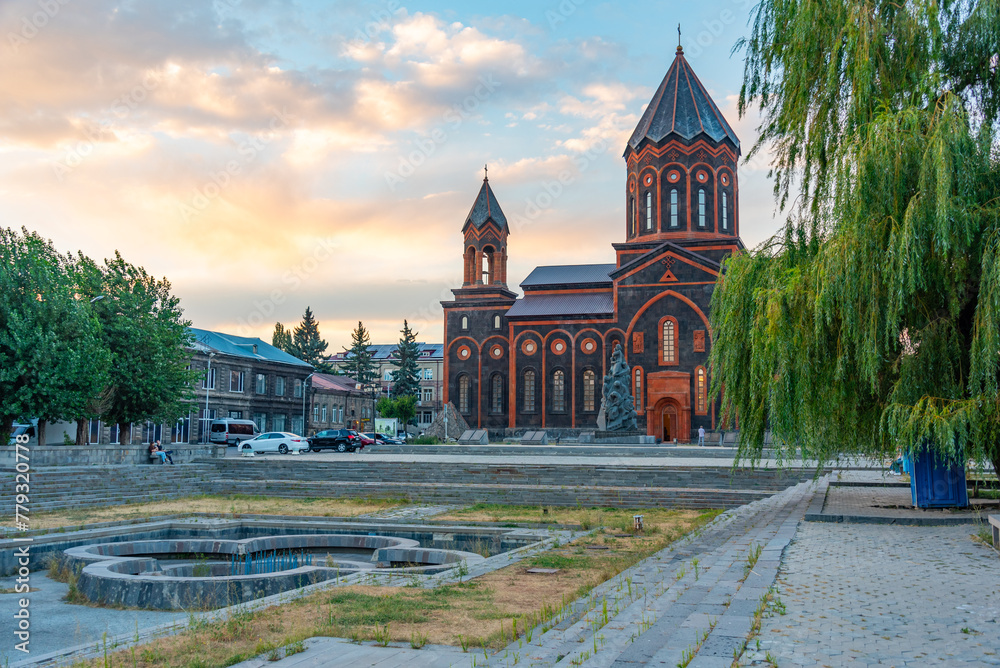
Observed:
{"x":281,"y":338}
{"x":306,"y":342}
{"x":359,"y":364}
{"x":406,"y":376}
{"x":873,"y":322}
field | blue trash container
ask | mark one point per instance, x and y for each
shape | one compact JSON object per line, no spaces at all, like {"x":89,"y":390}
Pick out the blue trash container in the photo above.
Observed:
{"x":936,"y":482}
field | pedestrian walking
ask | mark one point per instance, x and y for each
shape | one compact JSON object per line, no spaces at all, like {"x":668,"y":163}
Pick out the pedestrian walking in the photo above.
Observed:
{"x":701,"y":436}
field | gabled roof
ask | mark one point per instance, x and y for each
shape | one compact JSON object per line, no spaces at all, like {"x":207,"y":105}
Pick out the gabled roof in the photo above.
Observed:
{"x":485,"y":209}
{"x":242,"y":346}
{"x":569,"y":274}
{"x":683,"y":107}
{"x":581,"y":303}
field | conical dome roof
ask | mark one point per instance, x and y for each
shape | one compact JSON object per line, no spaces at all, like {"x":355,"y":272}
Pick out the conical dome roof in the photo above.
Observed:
{"x":683,"y":107}
{"x":485,"y":209}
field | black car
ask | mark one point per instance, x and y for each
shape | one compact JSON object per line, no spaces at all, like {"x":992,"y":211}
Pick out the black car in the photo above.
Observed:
{"x":341,"y":440}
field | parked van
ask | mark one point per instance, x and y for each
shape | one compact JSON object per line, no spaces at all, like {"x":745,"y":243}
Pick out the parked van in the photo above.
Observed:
{"x":232,"y":432}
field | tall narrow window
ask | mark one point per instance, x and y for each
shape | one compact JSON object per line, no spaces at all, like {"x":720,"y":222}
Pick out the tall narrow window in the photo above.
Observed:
{"x":669,"y":342}
{"x":637,"y":389}
{"x":463,"y":394}
{"x":674,"y":222}
{"x":725,"y":211}
{"x":649,"y":210}
{"x":529,"y":391}
{"x":701,"y":207}
{"x":701,"y":392}
{"x":589,"y":382}
{"x":497,"y":394}
{"x":496,"y":322}
{"x":465,"y":322}
{"x":558,"y":392}
{"x":631,"y":216}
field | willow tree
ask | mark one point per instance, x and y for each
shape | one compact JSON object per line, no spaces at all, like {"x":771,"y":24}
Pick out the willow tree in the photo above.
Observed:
{"x":872,"y":322}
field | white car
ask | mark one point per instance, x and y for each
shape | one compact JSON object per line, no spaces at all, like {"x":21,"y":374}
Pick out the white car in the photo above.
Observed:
{"x":275,"y":441}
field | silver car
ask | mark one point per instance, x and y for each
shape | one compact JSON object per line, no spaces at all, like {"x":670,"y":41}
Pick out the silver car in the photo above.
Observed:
{"x":275,"y":441}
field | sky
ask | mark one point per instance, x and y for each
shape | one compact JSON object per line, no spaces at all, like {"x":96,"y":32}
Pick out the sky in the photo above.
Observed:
{"x":265,"y":156}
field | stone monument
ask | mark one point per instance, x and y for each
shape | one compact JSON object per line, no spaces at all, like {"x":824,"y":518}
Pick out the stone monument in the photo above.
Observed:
{"x":616,"y":397}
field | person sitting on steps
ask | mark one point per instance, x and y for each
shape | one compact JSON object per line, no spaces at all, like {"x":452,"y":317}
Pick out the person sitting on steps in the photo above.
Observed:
{"x":156,"y":449}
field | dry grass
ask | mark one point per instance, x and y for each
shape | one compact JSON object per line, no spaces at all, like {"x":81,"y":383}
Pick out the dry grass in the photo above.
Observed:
{"x":212,"y":504}
{"x":654,"y":519}
{"x":478,"y":614}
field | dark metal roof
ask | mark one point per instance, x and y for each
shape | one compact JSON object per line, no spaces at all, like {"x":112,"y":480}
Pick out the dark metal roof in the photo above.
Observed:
{"x":569,"y":274}
{"x":681,"y":105}
{"x":586,"y":303}
{"x":486,"y":208}
{"x":242,"y":346}
{"x":385,"y":351}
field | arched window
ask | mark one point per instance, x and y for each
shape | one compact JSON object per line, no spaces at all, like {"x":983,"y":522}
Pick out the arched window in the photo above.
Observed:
{"x":529,"y":391}
{"x":632,"y":216}
{"x":637,"y":389}
{"x":725,"y":211}
{"x":649,"y":210}
{"x":674,"y":222}
{"x":700,"y":391}
{"x":558,"y":392}
{"x":465,"y":322}
{"x":463,"y":394}
{"x":668,"y":346}
{"x":496,"y":322}
{"x":589,"y":391}
{"x":701,"y":207}
{"x":496,"y":394}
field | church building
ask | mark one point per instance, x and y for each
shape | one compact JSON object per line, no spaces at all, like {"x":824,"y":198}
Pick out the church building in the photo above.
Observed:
{"x":537,"y":362}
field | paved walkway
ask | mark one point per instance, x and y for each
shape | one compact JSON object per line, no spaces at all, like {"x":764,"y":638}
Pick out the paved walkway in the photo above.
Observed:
{"x":859,"y":594}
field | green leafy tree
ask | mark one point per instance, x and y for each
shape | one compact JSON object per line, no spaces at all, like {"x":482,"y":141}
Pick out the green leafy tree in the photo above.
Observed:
{"x":143,"y":328}
{"x":873,"y":322}
{"x":358,"y":362}
{"x":52,"y":361}
{"x":307,"y":344}
{"x":406,"y":376}
{"x":402,"y":408}
{"x":281,"y":338}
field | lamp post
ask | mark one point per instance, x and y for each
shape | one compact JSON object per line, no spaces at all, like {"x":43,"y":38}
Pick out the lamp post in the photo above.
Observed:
{"x":207,"y":420}
{"x":304,"y":381}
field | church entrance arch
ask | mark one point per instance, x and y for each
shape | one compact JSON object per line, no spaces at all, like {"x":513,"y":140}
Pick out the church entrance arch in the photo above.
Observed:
{"x":667,"y":421}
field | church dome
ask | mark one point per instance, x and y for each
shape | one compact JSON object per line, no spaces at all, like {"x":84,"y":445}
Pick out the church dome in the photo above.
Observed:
{"x":682,"y":107}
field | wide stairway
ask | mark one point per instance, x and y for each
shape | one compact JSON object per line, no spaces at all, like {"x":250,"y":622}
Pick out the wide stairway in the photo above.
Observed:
{"x":569,"y":483}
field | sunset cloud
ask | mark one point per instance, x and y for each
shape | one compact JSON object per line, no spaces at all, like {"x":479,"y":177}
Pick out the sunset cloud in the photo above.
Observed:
{"x":328,"y":153}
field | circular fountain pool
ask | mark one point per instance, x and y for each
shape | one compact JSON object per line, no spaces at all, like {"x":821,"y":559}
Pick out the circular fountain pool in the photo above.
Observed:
{"x":208,"y":573}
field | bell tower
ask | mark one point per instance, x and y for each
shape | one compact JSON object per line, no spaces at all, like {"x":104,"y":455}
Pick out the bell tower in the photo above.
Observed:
{"x":477,"y":354}
{"x":681,"y":179}
{"x":485,"y":231}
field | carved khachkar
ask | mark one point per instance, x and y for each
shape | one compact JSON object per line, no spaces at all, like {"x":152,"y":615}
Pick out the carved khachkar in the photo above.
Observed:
{"x":616,"y":397}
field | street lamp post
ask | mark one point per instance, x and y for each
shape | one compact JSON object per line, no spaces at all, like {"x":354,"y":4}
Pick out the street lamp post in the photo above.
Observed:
{"x":208,"y":387}
{"x":304,"y":390}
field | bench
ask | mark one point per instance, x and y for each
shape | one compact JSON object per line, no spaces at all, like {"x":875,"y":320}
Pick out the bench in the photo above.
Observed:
{"x":995,"y":525}
{"x":155,"y":458}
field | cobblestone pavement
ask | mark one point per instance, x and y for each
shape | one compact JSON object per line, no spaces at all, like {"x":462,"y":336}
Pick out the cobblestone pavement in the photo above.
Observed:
{"x":859,"y":594}
{"x":860,"y":494}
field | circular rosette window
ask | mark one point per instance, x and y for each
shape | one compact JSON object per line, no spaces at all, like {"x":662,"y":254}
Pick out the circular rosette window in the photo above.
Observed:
{"x":529,"y":347}
{"x":558,"y":346}
{"x":496,"y":352}
{"x":464,"y":352}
